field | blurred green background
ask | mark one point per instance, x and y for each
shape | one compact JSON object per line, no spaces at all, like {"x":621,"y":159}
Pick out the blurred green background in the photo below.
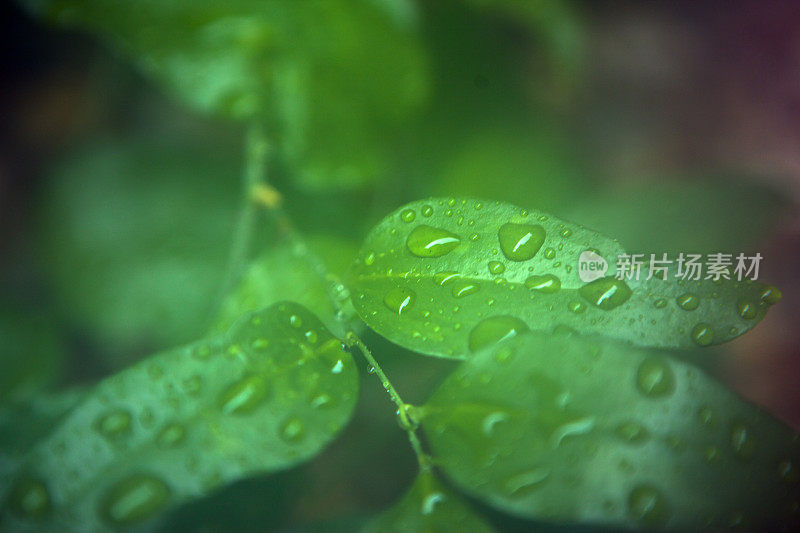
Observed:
{"x":673,"y":127}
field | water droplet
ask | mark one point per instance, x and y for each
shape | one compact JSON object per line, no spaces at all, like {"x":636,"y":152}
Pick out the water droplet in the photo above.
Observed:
{"x":787,"y":471}
{"x":520,"y":242}
{"x":496,"y":267}
{"x":688,"y":302}
{"x":407,"y":417}
{"x":464,"y":288}
{"x":576,"y":307}
{"x":706,"y":416}
{"x":244,"y":396}
{"x":295,"y":321}
{"x":522,"y":483}
{"x":703,"y":334}
{"x":193,"y":384}
{"x":337,"y":367}
{"x":491,"y":420}
{"x":427,"y":241}
{"x":645,"y":503}
{"x":369,"y":259}
{"x":426,"y":210}
{"x":408,"y":215}
{"x":566,"y":232}
{"x":293,"y":430}
{"x":312,"y":336}
{"x":661,"y":303}
{"x":430,"y":501}
{"x":114,"y":425}
{"x":655,"y":378}
{"x":259,"y":344}
{"x":545,"y":283}
{"x":606,"y":293}
{"x":442,"y":278}
{"x":747,"y":310}
{"x":632,"y":432}
{"x":399,"y":300}
{"x":171,"y":435}
{"x":29,"y":499}
{"x":134,"y":499}
{"x":495,"y":329}
{"x":549,"y":253}
{"x":771,"y":295}
{"x":742,"y":441}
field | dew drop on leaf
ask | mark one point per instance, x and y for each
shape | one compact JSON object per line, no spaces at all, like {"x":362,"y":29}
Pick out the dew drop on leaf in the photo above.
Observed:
{"x":495,"y":329}
{"x":427,"y":241}
{"x":742,"y":441}
{"x":399,"y":300}
{"x":654,"y":378}
{"x":771,"y":295}
{"x":660,"y":303}
{"x":688,"y":302}
{"x":747,"y":310}
{"x":545,"y":283}
{"x":496,"y":267}
{"x":244,"y":396}
{"x":134,"y":499}
{"x":29,"y":499}
{"x":520,"y":242}
{"x":703,"y":334}
{"x":521,"y":484}
{"x":292,"y":430}
{"x":632,"y":432}
{"x":464,"y":288}
{"x":114,"y":425}
{"x":606,"y":293}
{"x":171,"y":435}
{"x":646,"y":504}
{"x":408,"y":215}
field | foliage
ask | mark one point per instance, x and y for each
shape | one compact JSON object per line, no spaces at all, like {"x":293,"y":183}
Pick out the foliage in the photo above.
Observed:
{"x":560,"y":403}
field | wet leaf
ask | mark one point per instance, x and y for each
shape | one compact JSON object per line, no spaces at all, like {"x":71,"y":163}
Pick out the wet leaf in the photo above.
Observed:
{"x":284,"y":274}
{"x":449,"y":277}
{"x":428,"y":507}
{"x":568,"y":428}
{"x":269,"y":394}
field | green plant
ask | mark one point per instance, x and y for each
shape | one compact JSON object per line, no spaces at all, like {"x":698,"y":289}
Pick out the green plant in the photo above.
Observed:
{"x":566,"y":405}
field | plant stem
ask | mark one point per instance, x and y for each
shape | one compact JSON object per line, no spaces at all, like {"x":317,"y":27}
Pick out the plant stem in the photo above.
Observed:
{"x":258,"y":193}
{"x":255,"y":176}
{"x":423,"y":458}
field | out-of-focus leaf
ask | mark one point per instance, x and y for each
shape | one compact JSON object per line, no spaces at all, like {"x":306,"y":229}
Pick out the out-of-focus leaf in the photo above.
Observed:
{"x":674,"y":217}
{"x":136,"y":239}
{"x":449,"y":277}
{"x":23,"y":424}
{"x":266,"y":396}
{"x":565,"y":428}
{"x":428,"y":507}
{"x":30,"y":354}
{"x":283,"y":273}
{"x":332,"y":77}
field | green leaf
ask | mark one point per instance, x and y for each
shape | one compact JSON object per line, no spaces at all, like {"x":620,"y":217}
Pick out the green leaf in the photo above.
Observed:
{"x":284,"y":274}
{"x":221,"y":58}
{"x":428,"y":507}
{"x":449,"y":277}
{"x":135,"y":238}
{"x":264,"y":397}
{"x":567,"y":428}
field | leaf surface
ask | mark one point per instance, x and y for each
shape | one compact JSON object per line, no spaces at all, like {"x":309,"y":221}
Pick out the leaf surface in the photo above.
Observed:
{"x":429,"y":507}
{"x":269,"y":394}
{"x":566,"y":428}
{"x":449,"y":277}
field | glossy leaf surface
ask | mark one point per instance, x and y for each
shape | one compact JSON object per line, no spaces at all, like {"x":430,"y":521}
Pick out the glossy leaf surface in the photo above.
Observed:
{"x":449,"y":277}
{"x":567,"y":428}
{"x":266,"y":396}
